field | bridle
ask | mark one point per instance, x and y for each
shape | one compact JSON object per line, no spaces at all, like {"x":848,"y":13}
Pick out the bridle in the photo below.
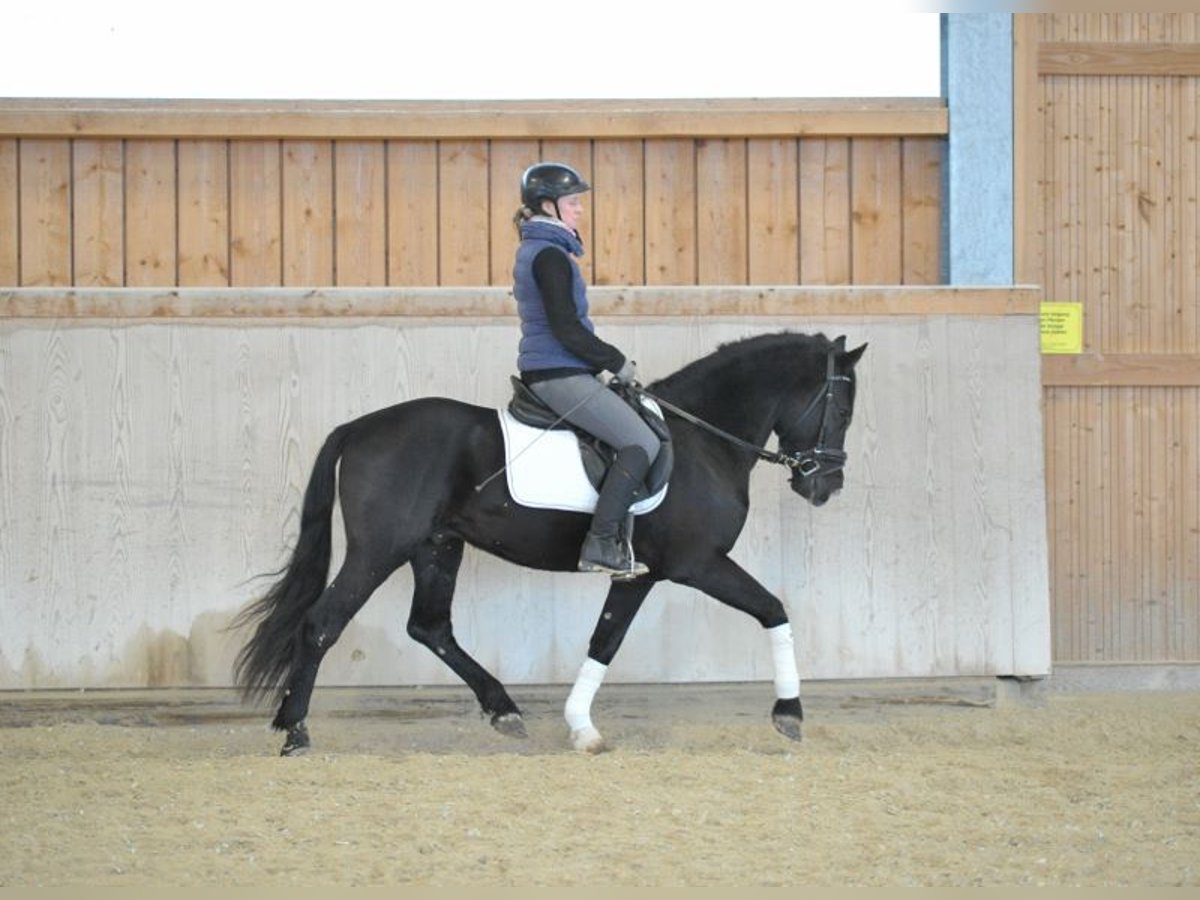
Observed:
{"x":818,"y":459}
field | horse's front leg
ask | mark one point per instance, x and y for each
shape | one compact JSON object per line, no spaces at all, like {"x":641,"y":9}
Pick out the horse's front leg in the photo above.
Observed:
{"x":726,"y":581}
{"x":623,"y":602}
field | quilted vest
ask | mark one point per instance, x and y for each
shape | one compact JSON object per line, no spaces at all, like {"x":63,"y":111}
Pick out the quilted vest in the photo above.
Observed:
{"x":539,"y":349}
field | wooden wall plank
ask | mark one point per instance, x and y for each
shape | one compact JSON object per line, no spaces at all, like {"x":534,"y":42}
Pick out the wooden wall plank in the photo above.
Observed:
{"x":361,"y":212}
{"x":921,"y":211}
{"x":1159,"y":58}
{"x":203,"y":213}
{"x":45,"y":212}
{"x":1122,"y":369}
{"x":1187,"y":610}
{"x":255,"y":186}
{"x":670,"y":212}
{"x":721,"y":212}
{"x":1028,"y":163}
{"x":508,"y":160}
{"x":308,"y":213}
{"x":875,"y":204}
{"x":825,"y":235}
{"x":150,"y":213}
{"x":10,"y":219}
{"x":412,"y":212}
{"x":773,"y":212}
{"x":618,"y":213}
{"x":578,"y":155}
{"x":768,"y":302}
{"x":463,"y":213}
{"x":98,"y":212}
{"x":1186,"y":226}
{"x":1060,"y":527}
{"x":472,"y":120}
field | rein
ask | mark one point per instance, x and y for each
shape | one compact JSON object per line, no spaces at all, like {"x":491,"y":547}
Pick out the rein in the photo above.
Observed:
{"x":806,"y":462}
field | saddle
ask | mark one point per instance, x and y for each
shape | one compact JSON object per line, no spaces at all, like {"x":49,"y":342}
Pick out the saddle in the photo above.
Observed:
{"x":597,"y":457}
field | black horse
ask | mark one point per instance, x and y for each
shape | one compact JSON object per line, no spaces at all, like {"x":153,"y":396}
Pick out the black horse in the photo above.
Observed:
{"x":410,"y":490}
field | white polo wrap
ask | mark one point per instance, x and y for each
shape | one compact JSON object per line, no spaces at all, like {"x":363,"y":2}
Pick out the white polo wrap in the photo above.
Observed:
{"x":783,"y":654}
{"x":578,"y":710}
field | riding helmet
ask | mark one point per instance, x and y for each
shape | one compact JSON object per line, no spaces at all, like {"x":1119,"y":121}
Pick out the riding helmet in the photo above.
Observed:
{"x":550,"y":181}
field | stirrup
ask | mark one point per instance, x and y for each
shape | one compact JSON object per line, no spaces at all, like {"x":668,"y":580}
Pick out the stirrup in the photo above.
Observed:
{"x":634,"y":570}
{"x":619,"y":564}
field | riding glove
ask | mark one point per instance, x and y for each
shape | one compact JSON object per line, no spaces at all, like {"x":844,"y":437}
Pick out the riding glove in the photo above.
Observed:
{"x":627,"y":374}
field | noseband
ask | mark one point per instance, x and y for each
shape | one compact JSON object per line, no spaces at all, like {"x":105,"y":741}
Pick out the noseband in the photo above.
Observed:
{"x":819,"y":459}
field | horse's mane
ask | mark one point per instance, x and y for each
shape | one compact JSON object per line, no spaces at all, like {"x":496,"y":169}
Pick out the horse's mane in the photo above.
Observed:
{"x":791,"y":351}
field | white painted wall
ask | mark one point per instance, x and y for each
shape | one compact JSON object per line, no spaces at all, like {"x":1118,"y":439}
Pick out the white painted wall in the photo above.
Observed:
{"x":149,"y":469}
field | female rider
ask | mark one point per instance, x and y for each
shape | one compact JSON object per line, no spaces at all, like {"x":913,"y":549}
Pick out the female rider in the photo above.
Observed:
{"x":560,"y":357}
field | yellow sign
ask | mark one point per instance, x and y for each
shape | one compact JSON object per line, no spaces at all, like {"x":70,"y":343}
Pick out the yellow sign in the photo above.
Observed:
{"x":1062,"y":327}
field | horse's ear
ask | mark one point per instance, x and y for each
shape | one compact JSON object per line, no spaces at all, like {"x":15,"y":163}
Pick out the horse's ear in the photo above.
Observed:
{"x":856,"y":354}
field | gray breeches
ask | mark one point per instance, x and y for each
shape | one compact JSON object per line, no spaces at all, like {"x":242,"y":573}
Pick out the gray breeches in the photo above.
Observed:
{"x":598,"y":411}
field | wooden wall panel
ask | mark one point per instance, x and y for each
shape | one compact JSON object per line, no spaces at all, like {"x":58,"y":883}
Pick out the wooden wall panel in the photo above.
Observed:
{"x":462,"y":213}
{"x":508,"y":160}
{"x":721,"y":212}
{"x":255,"y":201}
{"x":720,"y":209}
{"x":308,"y":216}
{"x":150,"y":213}
{"x":773,"y":212}
{"x":578,"y":155}
{"x":670,"y":212}
{"x":10,"y":215}
{"x":921,"y":202}
{"x":618,"y":213}
{"x":98,"y":212}
{"x":875,"y":191}
{"x":826,"y":251}
{"x":45,"y":211}
{"x":361,"y":214}
{"x":412,"y":212}
{"x":203,"y":213}
{"x":1112,"y":193}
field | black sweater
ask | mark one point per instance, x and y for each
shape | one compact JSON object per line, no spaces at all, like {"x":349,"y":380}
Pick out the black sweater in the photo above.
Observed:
{"x":552,"y":272}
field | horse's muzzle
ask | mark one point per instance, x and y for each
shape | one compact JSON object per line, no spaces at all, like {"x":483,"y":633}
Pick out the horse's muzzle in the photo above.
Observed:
{"x":817,"y":488}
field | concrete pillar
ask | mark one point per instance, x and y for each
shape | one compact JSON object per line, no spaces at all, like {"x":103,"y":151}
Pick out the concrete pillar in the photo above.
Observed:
{"x":977,"y":84}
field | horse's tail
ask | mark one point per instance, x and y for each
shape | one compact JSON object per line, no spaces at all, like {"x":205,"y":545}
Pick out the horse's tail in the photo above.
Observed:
{"x":265,"y":663}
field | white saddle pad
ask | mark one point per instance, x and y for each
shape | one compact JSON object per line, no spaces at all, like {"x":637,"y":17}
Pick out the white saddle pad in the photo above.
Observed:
{"x":544,"y":470}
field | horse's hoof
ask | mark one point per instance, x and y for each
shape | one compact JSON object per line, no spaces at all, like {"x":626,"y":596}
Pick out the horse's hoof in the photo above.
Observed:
{"x":297,"y":743}
{"x":787,"y":717}
{"x":788,"y":726}
{"x":510,"y":725}
{"x":588,"y":740}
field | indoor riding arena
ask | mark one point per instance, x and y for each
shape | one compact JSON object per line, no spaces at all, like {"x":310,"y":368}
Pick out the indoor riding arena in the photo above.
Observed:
{"x":996,"y":621}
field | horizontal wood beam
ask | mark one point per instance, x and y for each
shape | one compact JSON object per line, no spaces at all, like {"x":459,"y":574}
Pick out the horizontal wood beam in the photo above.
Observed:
{"x":450,"y":303}
{"x":1114,"y":58}
{"x":417,"y":120}
{"x":1122,"y":370}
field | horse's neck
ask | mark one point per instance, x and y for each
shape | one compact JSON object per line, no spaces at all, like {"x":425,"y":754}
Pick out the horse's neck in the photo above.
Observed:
{"x":737,"y":399}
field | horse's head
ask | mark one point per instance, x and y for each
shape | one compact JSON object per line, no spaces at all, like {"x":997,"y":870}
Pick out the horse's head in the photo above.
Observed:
{"x":812,"y":427}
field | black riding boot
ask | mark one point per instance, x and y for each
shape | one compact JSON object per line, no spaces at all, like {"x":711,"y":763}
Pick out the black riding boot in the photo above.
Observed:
{"x":606,"y":548}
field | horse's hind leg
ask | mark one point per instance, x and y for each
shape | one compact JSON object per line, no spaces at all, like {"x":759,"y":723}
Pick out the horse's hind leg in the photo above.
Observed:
{"x":435,"y":571}
{"x":323,"y":624}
